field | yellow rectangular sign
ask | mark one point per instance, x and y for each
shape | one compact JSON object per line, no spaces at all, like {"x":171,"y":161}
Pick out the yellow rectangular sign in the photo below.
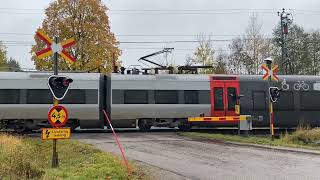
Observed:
{"x":237,"y":109}
{"x":55,"y":133}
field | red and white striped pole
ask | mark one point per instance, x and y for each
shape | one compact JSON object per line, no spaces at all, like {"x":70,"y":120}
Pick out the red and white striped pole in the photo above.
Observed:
{"x":118,"y":142}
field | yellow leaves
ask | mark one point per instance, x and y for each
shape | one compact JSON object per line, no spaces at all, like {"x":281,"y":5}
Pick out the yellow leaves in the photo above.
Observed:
{"x":87,"y":22}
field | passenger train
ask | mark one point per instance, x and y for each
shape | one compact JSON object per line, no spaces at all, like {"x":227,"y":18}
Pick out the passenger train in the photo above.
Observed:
{"x":160,"y":100}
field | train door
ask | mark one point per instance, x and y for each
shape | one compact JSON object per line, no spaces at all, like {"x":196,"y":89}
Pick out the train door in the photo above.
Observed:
{"x":224,"y":95}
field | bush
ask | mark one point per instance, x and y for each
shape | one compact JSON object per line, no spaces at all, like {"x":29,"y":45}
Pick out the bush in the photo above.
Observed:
{"x":16,"y":159}
{"x":30,"y":158}
{"x":303,"y":136}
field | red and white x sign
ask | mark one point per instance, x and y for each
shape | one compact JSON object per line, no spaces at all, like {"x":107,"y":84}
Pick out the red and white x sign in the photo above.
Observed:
{"x":53,"y":47}
{"x":270,"y":72}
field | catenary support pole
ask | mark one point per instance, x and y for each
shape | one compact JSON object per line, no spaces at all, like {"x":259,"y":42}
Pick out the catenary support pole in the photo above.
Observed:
{"x":282,"y":45}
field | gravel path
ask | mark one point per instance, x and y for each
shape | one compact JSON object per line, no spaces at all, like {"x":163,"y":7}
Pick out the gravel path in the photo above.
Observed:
{"x":165,"y":155}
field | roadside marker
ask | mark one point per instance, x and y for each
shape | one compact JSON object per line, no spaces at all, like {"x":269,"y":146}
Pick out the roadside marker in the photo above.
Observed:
{"x":118,"y":142}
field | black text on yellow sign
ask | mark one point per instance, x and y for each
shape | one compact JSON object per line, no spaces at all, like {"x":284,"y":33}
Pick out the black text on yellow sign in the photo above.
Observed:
{"x":55,"y":133}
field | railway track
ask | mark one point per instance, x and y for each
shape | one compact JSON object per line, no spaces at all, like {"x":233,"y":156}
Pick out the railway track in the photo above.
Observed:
{"x":228,"y":131}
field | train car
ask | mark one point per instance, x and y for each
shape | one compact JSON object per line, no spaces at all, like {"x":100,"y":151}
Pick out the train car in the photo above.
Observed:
{"x":167,"y":100}
{"x":25,"y":100}
{"x":298,"y":102}
{"x":160,"y":100}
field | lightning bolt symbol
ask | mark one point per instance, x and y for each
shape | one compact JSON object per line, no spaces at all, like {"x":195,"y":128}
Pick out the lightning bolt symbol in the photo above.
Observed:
{"x":47,"y":133}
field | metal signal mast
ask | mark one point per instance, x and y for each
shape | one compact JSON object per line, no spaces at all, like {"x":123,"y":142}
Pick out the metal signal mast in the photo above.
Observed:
{"x":285,"y":20}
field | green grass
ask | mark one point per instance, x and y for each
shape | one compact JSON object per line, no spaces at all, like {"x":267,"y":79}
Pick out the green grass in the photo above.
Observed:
{"x":24,"y":158}
{"x":302,"y":138}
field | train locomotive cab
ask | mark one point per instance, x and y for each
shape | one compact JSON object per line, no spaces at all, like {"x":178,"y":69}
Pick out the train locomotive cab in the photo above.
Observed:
{"x":224,"y":93}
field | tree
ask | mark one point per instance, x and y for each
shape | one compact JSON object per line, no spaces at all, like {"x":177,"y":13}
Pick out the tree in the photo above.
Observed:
{"x":298,"y":59}
{"x":13,"y":65}
{"x":314,"y":49}
{"x":221,"y":63}
{"x":238,"y":58}
{"x":204,"y":54}
{"x":3,"y":57}
{"x":249,"y":51}
{"x":85,"y":20}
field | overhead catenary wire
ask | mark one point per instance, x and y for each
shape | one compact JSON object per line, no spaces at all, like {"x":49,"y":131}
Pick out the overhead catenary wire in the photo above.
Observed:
{"x":17,"y":42}
{"x":168,"y":11}
{"x":174,"y":10}
{"x":150,"y":35}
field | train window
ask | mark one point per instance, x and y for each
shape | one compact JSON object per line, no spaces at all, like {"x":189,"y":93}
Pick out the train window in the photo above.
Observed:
{"x":204,"y":97}
{"x":232,"y":98}
{"x":218,"y":99}
{"x":166,"y":97}
{"x":285,"y":102}
{"x":259,"y":100}
{"x":308,"y":100}
{"x":117,"y":96}
{"x":91,"y":96}
{"x":74,"y":96}
{"x":135,"y":97}
{"x":191,"y":97}
{"x":9,"y":96}
{"x":39,"y":96}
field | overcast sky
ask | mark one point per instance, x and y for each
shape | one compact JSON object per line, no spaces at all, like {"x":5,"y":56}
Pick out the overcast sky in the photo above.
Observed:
{"x":159,"y":20}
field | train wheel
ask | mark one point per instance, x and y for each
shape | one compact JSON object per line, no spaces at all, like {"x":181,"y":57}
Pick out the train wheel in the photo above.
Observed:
{"x":143,"y":125}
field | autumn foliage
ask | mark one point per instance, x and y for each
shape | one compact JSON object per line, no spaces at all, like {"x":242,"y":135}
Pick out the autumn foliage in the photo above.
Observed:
{"x":86,"y":21}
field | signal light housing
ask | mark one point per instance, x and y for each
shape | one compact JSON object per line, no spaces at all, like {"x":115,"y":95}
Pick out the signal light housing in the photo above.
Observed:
{"x":59,"y":86}
{"x":274,"y":93}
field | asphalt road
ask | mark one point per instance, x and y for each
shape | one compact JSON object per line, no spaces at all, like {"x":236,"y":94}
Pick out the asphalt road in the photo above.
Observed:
{"x":166,"y":155}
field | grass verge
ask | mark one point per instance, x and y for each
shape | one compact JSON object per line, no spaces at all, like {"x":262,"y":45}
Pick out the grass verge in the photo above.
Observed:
{"x":301,"y":138}
{"x":30,"y":158}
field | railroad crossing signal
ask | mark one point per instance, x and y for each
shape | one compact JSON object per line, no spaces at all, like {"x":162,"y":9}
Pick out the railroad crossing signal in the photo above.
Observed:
{"x":53,"y":47}
{"x":58,"y":116}
{"x":274,"y":93}
{"x":59,"y":86}
{"x":270,"y":72}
